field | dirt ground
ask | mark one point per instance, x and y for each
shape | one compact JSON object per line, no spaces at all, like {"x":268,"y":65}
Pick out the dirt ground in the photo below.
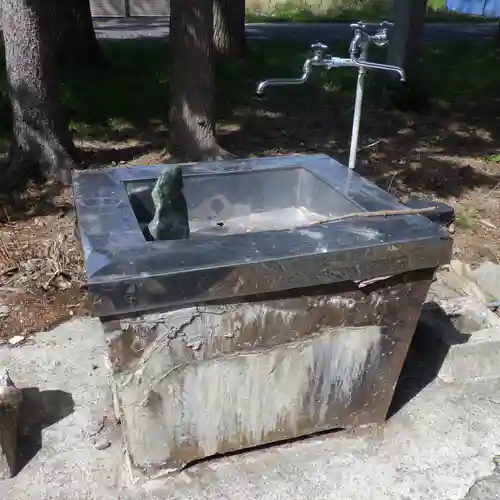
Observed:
{"x":42,"y":281}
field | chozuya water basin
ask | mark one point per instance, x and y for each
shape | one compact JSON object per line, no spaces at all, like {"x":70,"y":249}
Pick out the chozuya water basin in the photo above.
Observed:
{"x":266,"y":209}
{"x":275,"y":318}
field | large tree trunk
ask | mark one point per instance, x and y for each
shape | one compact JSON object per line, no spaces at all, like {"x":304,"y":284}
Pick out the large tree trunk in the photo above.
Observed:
{"x":192,"y":131}
{"x":42,"y":143}
{"x":75,"y":42}
{"x":229,"y":28}
{"x":407,"y":36}
{"x":405,"y":50}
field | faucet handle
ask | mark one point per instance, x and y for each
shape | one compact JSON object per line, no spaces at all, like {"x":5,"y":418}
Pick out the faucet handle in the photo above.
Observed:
{"x":319,"y":48}
{"x":361,"y":25}
{"x":381,"y":38}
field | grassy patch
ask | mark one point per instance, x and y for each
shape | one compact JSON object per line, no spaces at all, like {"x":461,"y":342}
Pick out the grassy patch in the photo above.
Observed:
{"x":130,"y":95}
{"x":348,"y":11}
{"x":494,"y":158}
{"x":465,"y":219}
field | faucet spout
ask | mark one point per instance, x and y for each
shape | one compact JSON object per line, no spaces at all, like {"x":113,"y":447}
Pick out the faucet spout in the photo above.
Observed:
{"x":400,"y":72}
{"x":384,"y":67}
{"x":287,"y":81}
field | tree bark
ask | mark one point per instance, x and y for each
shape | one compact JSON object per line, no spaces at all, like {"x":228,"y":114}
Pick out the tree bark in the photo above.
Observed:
{"x":42,"y":143}
{"x":75,"y":42}
{"x":229,"y":28}
{"x":192,"y":130}
{"x":405,"y":50}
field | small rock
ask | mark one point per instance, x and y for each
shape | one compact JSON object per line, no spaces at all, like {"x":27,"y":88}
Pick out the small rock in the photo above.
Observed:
{"x":4,"y":310}
{"x":102,"y":444}
{"x":10,"y":397}
{"x":16,"y":339}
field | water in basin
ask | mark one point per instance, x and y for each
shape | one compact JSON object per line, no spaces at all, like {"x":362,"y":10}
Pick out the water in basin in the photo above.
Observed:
{"x":240,"y":202}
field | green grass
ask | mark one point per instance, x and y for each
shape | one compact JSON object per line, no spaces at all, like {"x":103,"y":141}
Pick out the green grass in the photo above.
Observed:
{"x":348,"y":11}
{"x":465,"y":219}
{"x":132,"y":96}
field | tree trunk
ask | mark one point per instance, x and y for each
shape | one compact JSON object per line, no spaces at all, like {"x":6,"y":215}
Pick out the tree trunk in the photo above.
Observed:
{"x":407,"y":36}
{"x":42,"y":143}
{"x":405,"y":50}
{"x":75,"y":42}
{"x":229,"y":28}
{"x":192,"y":130}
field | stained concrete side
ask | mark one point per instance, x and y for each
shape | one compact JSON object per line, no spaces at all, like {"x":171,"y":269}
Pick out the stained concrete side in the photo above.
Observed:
{"x":434,"y":448}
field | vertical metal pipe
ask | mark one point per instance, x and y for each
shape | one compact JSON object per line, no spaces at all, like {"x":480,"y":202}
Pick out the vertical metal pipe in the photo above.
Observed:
{"x":358,"y":104}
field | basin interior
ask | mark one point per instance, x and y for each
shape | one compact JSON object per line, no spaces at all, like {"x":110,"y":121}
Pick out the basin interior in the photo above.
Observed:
{"x":252,"y":201}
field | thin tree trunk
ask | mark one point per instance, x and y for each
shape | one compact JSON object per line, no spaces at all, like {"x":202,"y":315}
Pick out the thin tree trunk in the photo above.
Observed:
{"x":229,"y":28}
{"x":75,"y":41}
{"x":42,"y":143}
{"x":192,"y":130}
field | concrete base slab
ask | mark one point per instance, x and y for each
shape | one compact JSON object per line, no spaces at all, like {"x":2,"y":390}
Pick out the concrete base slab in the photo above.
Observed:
{"x":486,"y":488}
{"x":466,"y":331}
{"x":435,"y":447}
{"x":469,"y":362}
{"x":487,"y":275}
{"x":65,"y":397}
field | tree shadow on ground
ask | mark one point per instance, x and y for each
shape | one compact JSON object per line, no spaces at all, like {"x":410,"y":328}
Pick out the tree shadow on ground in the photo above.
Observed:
{"x":432,"y":151}
{"x":409,"y":162}
{"x":39,"y":410}
{"x":107,"y":157}
{"x":33,"y":200}
{"x":41,"y":198}
{"x":425,"y":153}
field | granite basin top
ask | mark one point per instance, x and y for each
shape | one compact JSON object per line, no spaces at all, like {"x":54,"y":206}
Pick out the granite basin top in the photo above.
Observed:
{"x":247,"y":216}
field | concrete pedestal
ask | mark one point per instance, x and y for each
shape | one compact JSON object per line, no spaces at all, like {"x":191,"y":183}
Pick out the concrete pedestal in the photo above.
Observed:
{"x":200,"y":381}
{"x":288,"y":310}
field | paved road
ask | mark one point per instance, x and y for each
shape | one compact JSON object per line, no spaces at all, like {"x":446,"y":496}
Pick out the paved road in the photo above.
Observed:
{"x":306,"y":32}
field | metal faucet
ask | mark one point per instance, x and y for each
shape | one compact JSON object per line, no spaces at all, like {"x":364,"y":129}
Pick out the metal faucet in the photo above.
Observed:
{"x":360,"y":43}
{"x":319,"y":59}
{"x":358,"y":53}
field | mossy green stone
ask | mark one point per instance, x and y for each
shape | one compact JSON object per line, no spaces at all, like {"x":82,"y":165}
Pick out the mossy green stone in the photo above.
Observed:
{"x":170,"y":221}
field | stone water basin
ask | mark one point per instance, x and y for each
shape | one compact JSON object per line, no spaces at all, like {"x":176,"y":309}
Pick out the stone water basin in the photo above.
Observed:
{"x":253,"y":201}
{"x":271,"y":321}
